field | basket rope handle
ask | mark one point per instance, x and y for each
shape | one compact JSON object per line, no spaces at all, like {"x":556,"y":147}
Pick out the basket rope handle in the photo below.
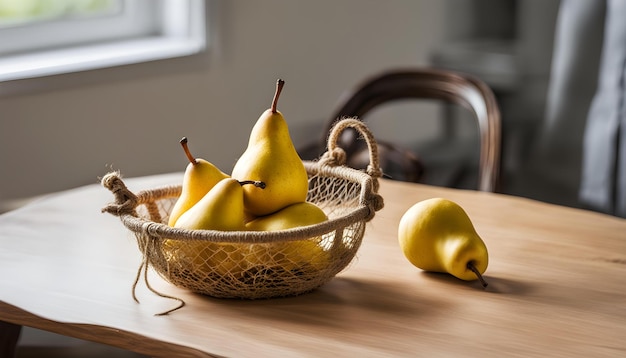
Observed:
{"x":125,"y":200}
{"x":125,"y":204}
{"x":336,"y":156}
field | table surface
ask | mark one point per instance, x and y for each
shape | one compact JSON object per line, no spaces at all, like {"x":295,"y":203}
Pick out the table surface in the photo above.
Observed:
{"x":557,"y":286}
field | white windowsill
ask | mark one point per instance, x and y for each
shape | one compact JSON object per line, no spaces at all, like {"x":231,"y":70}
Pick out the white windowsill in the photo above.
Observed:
{"x":90,"y":57}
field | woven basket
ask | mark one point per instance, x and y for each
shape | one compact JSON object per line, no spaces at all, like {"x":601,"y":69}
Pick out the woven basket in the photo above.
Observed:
{"x":258,"y":264}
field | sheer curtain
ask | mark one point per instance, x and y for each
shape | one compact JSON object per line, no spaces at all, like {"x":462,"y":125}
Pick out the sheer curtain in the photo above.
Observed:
{"x":603,"y":180}
{"x":584,"y":134}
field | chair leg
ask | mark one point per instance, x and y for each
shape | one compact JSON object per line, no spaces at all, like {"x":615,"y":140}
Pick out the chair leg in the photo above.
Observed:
{"x":9,"y":335}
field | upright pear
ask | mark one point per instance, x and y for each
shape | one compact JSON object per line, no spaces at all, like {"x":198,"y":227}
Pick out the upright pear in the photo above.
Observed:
{"x":200,"y":176}
{"x":437,"y":235}
{"x":271,"y":158}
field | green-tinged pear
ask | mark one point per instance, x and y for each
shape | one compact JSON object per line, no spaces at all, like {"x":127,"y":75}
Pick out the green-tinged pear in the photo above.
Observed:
{"x":437,"y":235}
{"x":200,"y":176}
{"x":271,"y":158}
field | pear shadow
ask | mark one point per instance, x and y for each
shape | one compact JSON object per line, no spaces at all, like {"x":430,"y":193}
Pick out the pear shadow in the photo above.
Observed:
{"x":340,"y":302}
{"x":495,"y":285}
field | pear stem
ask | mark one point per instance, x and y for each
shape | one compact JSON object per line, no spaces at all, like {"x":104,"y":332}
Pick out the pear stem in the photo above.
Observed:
{"x":257,"y":183}
{"x":183,"y":142}
{"x":470,"y":265}
{"x":279,"y":88}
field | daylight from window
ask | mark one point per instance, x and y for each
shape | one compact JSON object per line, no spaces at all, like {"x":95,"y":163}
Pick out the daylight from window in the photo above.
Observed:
{"x":25,"y":12}
{"x":51,"y":37}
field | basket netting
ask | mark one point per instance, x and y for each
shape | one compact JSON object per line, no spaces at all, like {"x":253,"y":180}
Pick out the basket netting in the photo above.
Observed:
{"x":260,"y":269}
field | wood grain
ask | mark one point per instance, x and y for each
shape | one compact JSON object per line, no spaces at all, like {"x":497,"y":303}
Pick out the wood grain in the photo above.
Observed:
{"x":556,"y":287}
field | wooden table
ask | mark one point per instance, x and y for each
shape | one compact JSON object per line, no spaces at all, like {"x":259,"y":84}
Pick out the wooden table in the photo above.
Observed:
{"x":557,"y":287}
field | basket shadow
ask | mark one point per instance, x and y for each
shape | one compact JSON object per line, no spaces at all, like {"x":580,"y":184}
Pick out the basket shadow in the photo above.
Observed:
{"x":343,"y":297}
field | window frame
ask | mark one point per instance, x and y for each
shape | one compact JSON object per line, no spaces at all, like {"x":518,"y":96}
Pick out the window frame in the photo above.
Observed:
{"x":177,"y":29}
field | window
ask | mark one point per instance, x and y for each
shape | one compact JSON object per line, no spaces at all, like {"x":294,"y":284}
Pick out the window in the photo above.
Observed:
{"x":47,"y":37}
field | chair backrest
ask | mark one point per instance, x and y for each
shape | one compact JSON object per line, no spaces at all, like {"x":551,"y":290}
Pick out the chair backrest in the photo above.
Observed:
{"x":438,"y":84}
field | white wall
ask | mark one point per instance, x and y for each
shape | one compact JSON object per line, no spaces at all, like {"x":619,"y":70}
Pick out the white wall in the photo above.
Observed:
{"x":64,"y":131}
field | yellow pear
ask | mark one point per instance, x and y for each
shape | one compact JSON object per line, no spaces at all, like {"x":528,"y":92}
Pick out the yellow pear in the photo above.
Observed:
{"x":290,"y":255}
{"x":220,"y":209}
{"x":437,"y":235}
{"x":271,"y":158}
{"x":200,"y":176}
{"x":294,"y":215}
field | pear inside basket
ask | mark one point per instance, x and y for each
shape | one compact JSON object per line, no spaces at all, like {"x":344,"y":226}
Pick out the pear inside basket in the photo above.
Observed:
{"x":258,"y":264}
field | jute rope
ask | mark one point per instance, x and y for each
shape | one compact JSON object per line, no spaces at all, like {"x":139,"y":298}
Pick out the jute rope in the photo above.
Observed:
{"x":335,"y":156}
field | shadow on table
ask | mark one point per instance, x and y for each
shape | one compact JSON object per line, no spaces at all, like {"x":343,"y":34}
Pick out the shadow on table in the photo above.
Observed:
{"x":495,"y":284}
{"x":343,"y":300}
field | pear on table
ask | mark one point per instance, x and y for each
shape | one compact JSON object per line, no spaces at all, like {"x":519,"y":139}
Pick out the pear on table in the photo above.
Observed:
{"x":200,"y":176}
{"x":437,"y":235}
{"x":271,"y":158}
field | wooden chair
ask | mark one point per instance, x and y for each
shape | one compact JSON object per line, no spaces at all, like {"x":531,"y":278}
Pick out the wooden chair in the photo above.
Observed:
{"x":424,"y":83}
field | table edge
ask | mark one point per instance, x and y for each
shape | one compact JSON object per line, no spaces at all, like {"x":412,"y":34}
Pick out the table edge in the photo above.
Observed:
{"x":100,"y":334}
